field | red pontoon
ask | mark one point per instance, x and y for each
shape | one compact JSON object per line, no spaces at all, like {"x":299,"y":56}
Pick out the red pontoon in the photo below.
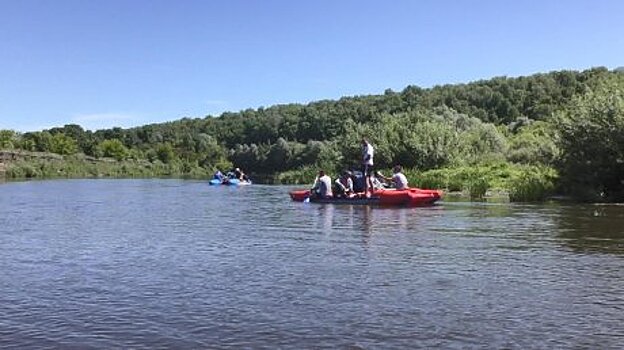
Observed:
{"x":411,"y":197}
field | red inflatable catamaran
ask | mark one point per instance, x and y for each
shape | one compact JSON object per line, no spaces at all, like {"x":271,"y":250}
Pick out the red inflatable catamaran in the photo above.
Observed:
{"x":412,"y":197}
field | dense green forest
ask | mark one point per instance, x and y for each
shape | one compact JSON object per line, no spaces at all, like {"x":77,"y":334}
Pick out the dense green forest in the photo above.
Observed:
{"x":531,"y":136}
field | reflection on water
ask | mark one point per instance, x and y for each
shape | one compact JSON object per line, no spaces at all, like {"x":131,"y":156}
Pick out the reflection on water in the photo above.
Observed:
{"x":179,"y":264}
{"x":598,"y":228}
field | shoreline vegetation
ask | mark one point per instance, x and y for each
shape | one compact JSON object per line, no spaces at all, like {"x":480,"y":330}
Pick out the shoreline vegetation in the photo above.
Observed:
{"x":500,"y":180}
{"x":559,"y":133}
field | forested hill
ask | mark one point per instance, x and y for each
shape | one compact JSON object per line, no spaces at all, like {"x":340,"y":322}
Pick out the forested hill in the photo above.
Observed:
{"x":501,"y":118}
{"x":498,"y":101}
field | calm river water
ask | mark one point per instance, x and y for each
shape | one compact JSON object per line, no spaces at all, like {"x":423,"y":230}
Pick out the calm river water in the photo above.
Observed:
{"x":100,"y":264}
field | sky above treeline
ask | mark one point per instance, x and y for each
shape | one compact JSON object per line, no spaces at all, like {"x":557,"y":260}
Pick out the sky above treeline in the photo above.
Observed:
{"x":105,"y":63}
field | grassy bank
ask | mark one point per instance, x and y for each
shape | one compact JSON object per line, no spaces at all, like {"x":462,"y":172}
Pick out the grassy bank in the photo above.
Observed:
{"x":79,"y":167}
{"x":522,"y":183}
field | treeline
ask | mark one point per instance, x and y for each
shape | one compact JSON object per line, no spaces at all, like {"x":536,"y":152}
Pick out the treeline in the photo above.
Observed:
{"x":568,"y":121}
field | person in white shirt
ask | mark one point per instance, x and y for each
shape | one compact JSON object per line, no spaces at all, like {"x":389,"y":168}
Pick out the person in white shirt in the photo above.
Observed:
{"x":398,"y":179}
{"x":367,"y":164}
{"x":322,"y":186}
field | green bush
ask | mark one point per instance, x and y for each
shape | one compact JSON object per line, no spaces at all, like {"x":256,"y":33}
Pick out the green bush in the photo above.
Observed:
{"x":522,"y":182}
{"x":592,"y":142}
{"x":303,"y":175}
{"x":430,"y":180}
{"x":478,"y":187}
{"x":8,"y":139}
{"x":532,"y":184}
{"x":113,"y":149}
{"x":22,"y":170}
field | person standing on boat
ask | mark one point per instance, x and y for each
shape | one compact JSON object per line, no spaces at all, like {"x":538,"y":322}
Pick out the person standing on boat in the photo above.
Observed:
{"x":238,"y":174}
{"x":398,"y":179}
{"x":344,"y":185}
{"x":322,"y":186}
{"x":367,"y":164}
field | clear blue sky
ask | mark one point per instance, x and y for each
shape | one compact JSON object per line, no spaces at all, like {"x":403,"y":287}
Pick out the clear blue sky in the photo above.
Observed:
{"x":104,"y":63}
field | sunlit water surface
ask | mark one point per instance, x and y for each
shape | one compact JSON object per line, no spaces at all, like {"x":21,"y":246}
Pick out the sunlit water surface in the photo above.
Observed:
{"x":89,"y":264}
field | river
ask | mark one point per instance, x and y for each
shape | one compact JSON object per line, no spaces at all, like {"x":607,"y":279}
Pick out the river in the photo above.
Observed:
{"x":101,"y":264}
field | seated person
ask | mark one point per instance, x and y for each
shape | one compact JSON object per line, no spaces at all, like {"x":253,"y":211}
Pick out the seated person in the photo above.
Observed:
{"x":374,"y":179}
{"x":398,"y":180}
{"x":344,"y":185}
{"x":218,"y":176}
{"x":322,"y":186}
{"x":358,"y":181}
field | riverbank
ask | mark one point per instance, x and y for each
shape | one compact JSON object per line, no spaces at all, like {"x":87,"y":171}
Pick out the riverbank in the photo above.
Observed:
{"x":519,"y":183}
{"x":34,"y":165}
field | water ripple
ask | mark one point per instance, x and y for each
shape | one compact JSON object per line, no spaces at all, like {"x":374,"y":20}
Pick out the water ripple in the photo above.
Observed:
{"x":99,"y":264}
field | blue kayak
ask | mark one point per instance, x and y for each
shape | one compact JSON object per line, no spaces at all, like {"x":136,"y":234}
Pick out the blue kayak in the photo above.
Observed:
{"x":230,"y":182}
